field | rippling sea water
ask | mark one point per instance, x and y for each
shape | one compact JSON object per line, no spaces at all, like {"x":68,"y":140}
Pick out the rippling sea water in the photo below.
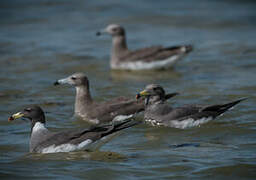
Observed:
{"x":41,"y":41}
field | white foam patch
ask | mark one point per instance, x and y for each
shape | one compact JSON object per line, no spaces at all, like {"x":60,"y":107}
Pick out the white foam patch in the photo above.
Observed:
{"x":122,"y":117}
{"x":141,"y":65}
{"x":188,"y":123}
{"x":67,"y":147}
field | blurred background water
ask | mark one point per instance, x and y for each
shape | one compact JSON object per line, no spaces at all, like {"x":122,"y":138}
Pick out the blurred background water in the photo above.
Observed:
{"x":44,"y":40}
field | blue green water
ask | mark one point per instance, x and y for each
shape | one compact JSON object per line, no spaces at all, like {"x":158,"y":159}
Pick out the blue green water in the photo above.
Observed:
{"x":41,"y":41}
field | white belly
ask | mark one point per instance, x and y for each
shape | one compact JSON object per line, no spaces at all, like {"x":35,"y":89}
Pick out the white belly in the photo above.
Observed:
{"x":141,"y":65}
{"x":67,"y":147}
{"x":188,"y":123}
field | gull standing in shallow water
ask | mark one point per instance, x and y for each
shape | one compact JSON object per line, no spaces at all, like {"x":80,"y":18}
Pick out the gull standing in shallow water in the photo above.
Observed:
{"x":44,"y":141}
{"x":155,"y":57}
{"x":157,"y":112}
{"x":113,"y":110}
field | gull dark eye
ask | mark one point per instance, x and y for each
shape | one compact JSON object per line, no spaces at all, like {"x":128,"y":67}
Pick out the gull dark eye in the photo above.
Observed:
{"x":73,"y":78}
{"x":114,"y":29}
{"x":154,"y":89}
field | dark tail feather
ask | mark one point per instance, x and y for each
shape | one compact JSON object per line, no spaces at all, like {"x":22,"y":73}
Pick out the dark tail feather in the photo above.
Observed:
{"x":227,"y":106}
{"x":224,"y":107}
{"x":120,"y":125}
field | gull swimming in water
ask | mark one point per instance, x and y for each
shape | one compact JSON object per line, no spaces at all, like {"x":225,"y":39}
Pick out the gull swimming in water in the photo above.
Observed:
{"x":154,"y":57}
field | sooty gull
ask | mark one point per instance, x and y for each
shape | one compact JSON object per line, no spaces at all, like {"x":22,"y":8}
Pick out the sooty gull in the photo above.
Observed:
{"x":113,"y":110}
{"x":44,"y":141}
{"x":157,"y":112}
{"x":155,"y":57}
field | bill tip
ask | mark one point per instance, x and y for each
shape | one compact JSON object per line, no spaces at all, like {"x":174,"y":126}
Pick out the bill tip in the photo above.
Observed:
{"x":10,"y":119}
{"x":138,"y":96}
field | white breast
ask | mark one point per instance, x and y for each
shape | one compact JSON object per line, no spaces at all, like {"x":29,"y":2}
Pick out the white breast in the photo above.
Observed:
{"x":38,"y":127}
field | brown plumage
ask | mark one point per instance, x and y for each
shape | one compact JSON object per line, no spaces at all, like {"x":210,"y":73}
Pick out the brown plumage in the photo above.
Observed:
{"x":155,"y":57}
{"x":154,"y":53}
{"x":96,"y":112}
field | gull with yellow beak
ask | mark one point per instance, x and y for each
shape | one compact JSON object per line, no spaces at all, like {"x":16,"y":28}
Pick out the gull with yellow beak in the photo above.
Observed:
{"x":44,"y":141}
{"x":116,"y":109}
{"x":158,"y":112}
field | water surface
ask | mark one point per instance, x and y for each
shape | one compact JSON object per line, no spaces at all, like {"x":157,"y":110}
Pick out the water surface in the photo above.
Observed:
{"x":41,"y":41}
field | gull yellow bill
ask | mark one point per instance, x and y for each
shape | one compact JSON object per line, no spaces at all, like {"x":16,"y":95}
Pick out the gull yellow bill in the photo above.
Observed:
{"x":16,"y":116}
{"x":144,"y":93}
